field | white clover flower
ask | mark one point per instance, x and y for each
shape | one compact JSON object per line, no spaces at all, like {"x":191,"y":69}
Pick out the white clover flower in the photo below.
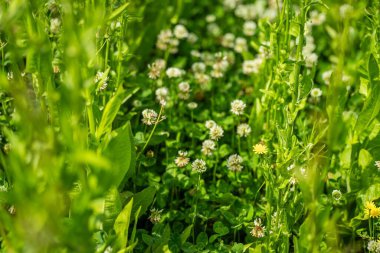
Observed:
{"x":55,"y":24}
{"x":326,"y":76}
{"x":311,"y":60}
{"x":243,"y":130}
{"x":192,"y":105}
{"x":237,"y":107}
{"x":258,"y":229}
{"x":184,"y":87}
{"x":195,"y":53}
{"x":317,"y":18}
{"x":149,"y":117}
{"x":252,"y":66}
{"x":316,"y":92}
{"x":162,"y":93}
{"x":228,"y":40}
{"x":182,"y":160}
{"x":377,"y":164}
{"x":199,"y":166}
{"x":155,"y":215}
{"x":345,"y":10}
{"x":247,"y":11}
{"x":163,"y":39}
{"x":210,"y":124}
{"x":241,"y":45}
{"x":208,"y":146}
{"x":336,"y":194}
{"x":216,"y":132}
{"x":10,"y":75}
{"x":156,"y":68}
{"x":249,"y":28}
{"x":214,"y":29}
{"x":198,"y":67}
{"x":192,"y":38}
{"x":230,"y":4}
{"x":374,"y":246}
{"x":202,"y":79}
{"x":234,"y":163}
{"x":174,"y":72}
{"x":210,"y":18}
{"x":180,"y":31}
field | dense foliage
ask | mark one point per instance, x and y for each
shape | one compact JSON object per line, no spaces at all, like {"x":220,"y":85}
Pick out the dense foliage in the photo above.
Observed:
{"x":190,"y":126}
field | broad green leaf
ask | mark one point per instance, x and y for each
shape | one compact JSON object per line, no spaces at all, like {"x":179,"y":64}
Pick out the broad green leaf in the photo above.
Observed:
{"x":122,"y":224}
{"x":365,"y":158}
{"x":112,"y":207}
{"x":372,"y":105}
{"x":142,"y":200}
{"x":121,"y":153}
{"x":186,"y":233}
{"x":111,"y":110}
{"x":220,"y":228}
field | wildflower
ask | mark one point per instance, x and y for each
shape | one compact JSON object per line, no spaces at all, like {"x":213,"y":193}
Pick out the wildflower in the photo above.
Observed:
{"x":214,"y":29}
{"x":100,"y":77}
{"x":156,"y":68}
{"x":317,"y":18}
{"x":166,"y":41}
{"x":326,"y":76}
{"x":316,"y":92}
{"x":192,"y":38}
{"x":208,"y":146}
{"x":198,"y":67}
{"x":149,"y":117}
{"x":243,"y":130}
{"x":192,"y":105}
{"x":260,"y":149}
{"x":240,"y":45}
{"x":377,"y":164}
{"x":252,"y":66}
{"x":210,"y":18}
{"x":311,"y":60}
{"x":174,"y":72}
{"x":290,"y":167}
{"x":180,"y":32}
{"x":374,"y":246}
{"x":234,"y":163}
{"x":237,"y":107}
{"x":184,"y":88}
{"x":202,"y":79}
{"x":182,"y":160}
{"x":216,"y":132}
{"x":258,"y":229}
{"x":210,"y":124}
{"x":55,"y":25}
{"x":199,"y":166}
{"x":162,"y":93}
{"x":10,"y":75}
{"x":155,"y":215}
{"x":370,"y":210}
{"x":230,"y":4}
{"x":249,"y":28}
{"x":336,"y":194}
{"x":228,"y":40}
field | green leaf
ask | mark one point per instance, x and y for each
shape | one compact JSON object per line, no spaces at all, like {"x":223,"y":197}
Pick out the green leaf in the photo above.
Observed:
{"x":365,"y":158}
{"x":143,"y":199}
{"x":372,"y":105}
{"x":112,"y":207}
{"x":220,"y":228}
{"x":186,"y":233}
{"x":116,"y":13}
{"x":111,"y":110}
{"x":122,"y":224}
{"x":121,"y":153}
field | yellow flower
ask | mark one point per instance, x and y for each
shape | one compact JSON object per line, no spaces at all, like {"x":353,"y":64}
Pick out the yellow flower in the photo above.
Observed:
{"x":260,"y":149}
{"x":371,"y":210}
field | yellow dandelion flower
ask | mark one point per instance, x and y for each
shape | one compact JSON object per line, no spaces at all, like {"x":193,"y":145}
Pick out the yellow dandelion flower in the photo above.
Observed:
{"x":260,"y":149}
{"x":370,"y":210}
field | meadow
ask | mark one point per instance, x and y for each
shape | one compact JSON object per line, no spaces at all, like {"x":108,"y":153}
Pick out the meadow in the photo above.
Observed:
{"x":189,"y":126}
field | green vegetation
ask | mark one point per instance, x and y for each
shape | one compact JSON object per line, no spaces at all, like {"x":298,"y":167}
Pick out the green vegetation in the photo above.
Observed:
{"x":189,"y":126}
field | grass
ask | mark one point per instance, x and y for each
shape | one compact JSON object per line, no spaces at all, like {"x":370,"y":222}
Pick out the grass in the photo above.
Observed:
{"x":183,"y":126}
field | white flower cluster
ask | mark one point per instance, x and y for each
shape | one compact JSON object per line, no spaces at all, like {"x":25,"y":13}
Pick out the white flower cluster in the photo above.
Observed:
{"x":237,"y":107}
{"x":156,"y":68}
{"x":168,"y":40}
{"x":234,"y":163}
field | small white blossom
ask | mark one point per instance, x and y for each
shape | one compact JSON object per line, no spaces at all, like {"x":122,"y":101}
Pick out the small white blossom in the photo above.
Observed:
{"x":208,"y":146}
{"x":316,"y":92}
{"x":234,"y":163}
{"x":199,"y":166}
{"x":149,"y":117}
{"x":237,"y":107}
{"x":249,"y":28}
{"x":243,"y":130}
{"x":180,"y":31}
{"x":174,"y":72}
{"x":216,"y":132}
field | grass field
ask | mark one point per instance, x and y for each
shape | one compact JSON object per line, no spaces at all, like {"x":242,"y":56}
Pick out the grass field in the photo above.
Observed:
{"x":189,"y":126}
